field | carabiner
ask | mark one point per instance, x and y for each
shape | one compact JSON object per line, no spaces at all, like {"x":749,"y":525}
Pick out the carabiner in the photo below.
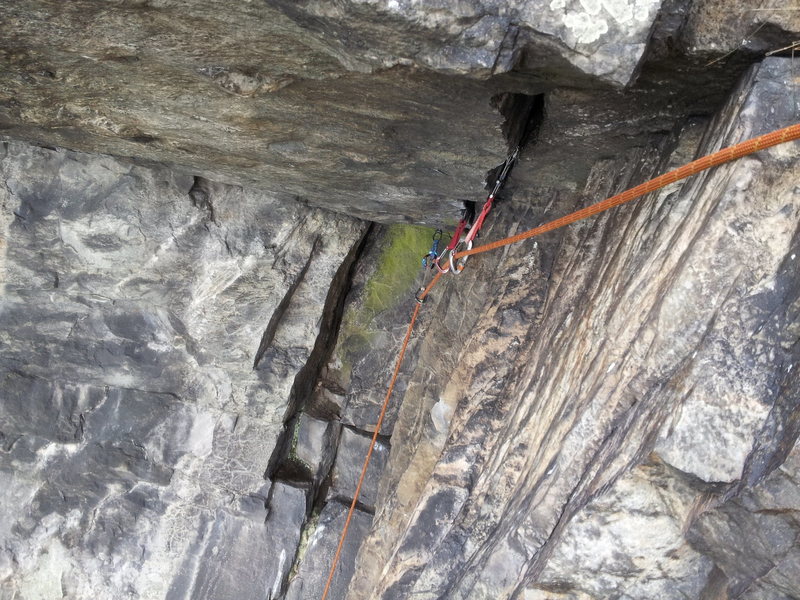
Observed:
{"x":461,"y":261}
{"x":433,"y":253}
{"x":416,"y":295}
{"x":439,"y":258}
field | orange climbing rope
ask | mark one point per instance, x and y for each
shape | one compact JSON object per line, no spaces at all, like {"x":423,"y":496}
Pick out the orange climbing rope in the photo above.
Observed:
{"x":768,"y":140}
{"x":372,"y":444}
{"x":737,"y":151}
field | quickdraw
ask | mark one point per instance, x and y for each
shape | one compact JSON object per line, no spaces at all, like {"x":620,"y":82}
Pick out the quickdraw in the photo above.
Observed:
{"x":456,"y":244}
{"x":462,"y":225}
{"x":466,"y":244}
{"x":430,"y":258}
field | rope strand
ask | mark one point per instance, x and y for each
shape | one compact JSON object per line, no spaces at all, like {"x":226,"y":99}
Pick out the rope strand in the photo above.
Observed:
{"x":701,"y":164}
{"x":375,"y":437}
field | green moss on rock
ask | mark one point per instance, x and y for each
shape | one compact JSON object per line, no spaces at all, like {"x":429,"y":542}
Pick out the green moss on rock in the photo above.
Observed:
{"x":398,"y":267}
{"x":391,"y":282}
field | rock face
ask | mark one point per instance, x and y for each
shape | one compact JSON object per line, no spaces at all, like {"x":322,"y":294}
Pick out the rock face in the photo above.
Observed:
{"x":192,"y":370}
{"x":621,"y":394}
{"x":244,"y":93}
{"x":390,"y":110}
{"x":136,"y":431}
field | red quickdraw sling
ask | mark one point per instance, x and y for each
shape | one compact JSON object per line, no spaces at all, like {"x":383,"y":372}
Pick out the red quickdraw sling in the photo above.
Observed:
{"x":466,"y":245}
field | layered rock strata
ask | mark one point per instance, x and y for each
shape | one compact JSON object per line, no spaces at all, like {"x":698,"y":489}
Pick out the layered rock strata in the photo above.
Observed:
{"x":385,"y":109}
{"x":622,"y":392}
{"x":192,"y":370}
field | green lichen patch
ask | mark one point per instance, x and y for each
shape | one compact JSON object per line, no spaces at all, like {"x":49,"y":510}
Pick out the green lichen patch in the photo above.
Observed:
{"x":392,"y":280}
{"x":305,"y":538}
{"x":397,"y":268}
{"x":293,"y":461}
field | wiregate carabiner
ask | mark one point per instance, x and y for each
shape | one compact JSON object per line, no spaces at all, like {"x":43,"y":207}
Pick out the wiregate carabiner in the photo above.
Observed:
{"x":456,"y":268}
{"x":433,"y":254}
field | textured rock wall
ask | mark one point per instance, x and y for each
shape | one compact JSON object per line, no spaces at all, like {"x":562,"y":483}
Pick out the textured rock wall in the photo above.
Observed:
{"x":136,"y":432}
{"x":609,"y":411}
{"x":621,"y":395}
{"x":383,"y":109}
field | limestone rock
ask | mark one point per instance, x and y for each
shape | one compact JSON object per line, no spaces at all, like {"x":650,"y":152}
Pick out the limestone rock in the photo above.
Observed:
{"x":314,"y":445}
{"x":602,"y":39}
{"x":629,"y":543}
{"x":752,"y":538}
{"x":245,"y":94}
{"x":244,"y":556}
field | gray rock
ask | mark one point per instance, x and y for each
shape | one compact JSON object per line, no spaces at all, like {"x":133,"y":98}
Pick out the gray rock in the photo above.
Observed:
{"x":609,"y":411}
{"x":718,"y":29}
{"x":136,"y":433}
{"x":244,"y":557}
{"x":225,"y":92}
{"x":629,"y":543}
{"x":314,"y":445}
{"x":319,"y":549}
{"x":385,"y":110}
{"x":667,"y":325}
{"x":752,"y":537}
{"x":346,"y":471}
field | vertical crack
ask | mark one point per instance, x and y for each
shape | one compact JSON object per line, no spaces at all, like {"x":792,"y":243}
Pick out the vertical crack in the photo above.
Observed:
{"x":284,"y":464}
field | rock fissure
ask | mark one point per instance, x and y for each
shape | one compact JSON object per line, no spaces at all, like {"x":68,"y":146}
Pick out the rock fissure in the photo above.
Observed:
{"x":269,"y":333}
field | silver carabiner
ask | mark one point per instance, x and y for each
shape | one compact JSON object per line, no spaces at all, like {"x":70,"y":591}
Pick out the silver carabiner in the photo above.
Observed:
{"x":461,"y":261}
{"x":438,"y":259}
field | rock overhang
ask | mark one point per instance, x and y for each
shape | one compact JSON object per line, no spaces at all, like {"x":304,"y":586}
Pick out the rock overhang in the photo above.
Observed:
{"x":383,"y":110}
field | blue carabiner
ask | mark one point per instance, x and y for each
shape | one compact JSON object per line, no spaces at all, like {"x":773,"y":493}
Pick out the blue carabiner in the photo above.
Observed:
{"x":433,"y":253}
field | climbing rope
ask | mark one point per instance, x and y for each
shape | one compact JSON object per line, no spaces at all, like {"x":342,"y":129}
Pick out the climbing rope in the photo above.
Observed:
{"x":731,"y":153}
{"x":768,"y":140}
{"x":372,"y":446}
